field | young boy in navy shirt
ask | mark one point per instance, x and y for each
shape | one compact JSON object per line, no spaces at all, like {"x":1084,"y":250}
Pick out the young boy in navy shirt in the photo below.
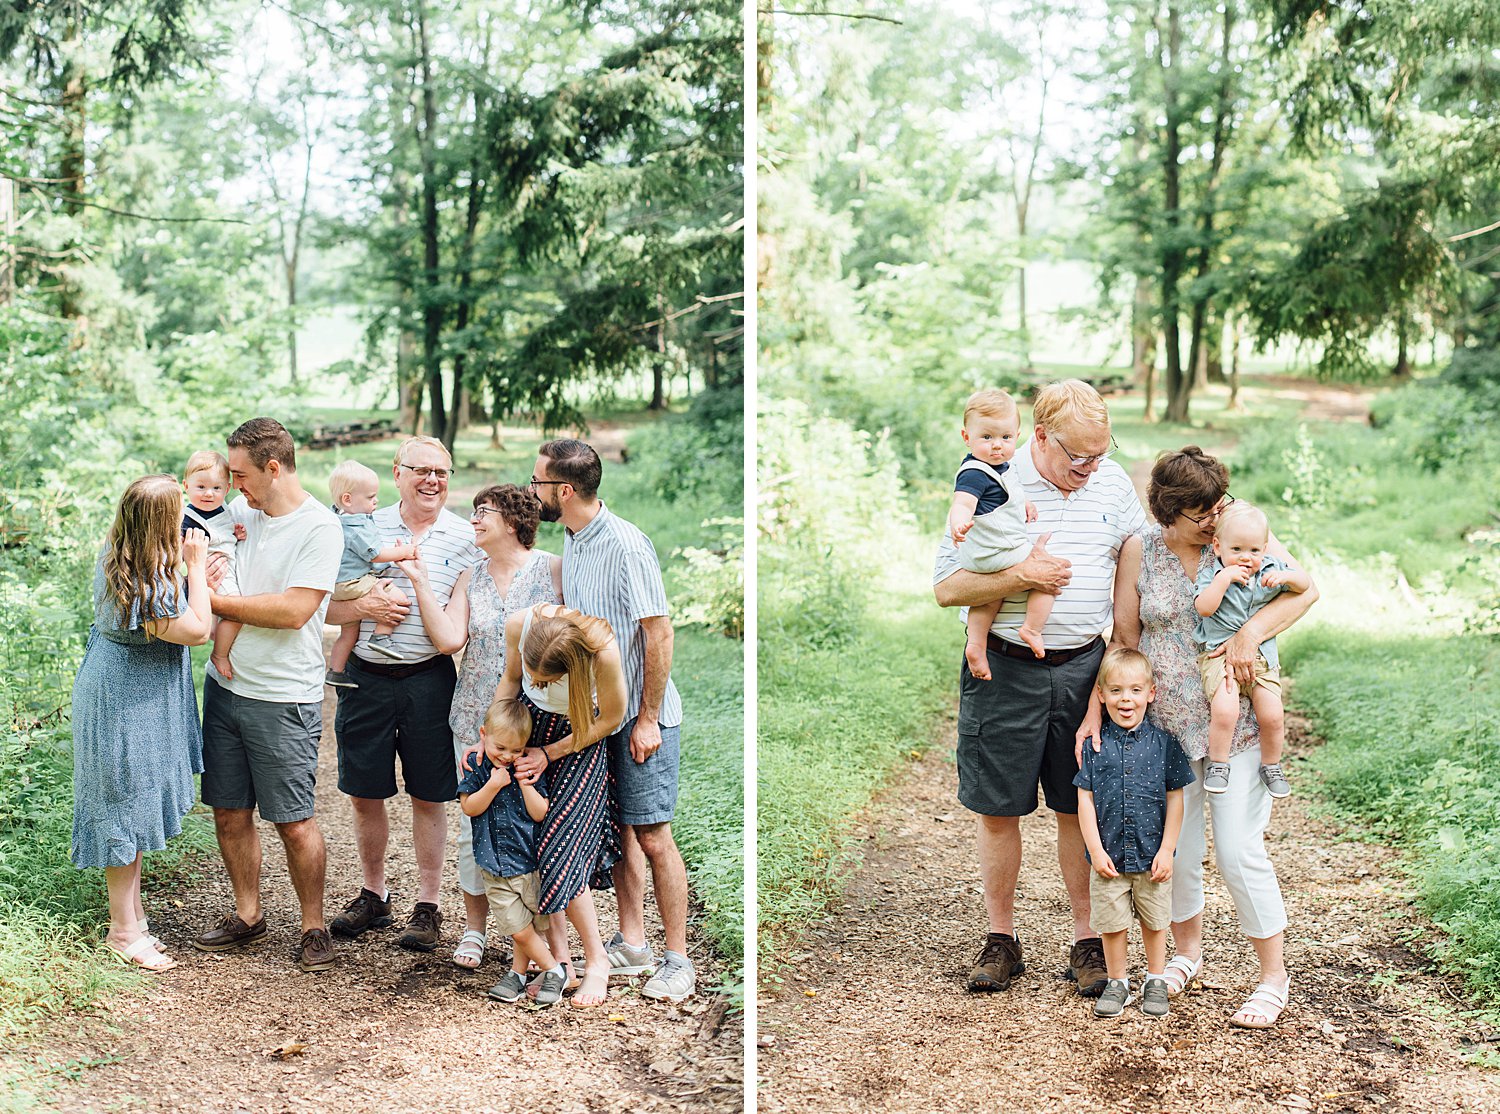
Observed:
{"x":1130,"y":813}
{"x":505,"y":813}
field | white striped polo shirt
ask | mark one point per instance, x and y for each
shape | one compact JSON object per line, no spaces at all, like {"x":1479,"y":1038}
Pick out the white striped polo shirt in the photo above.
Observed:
{"x":610,"y":571}
{"x":447,"y":550}
{"x":1088,"y":527}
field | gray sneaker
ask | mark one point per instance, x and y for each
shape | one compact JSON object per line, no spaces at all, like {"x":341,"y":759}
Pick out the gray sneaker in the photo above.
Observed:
{"x":1154,"y":998}
{"x":509,"y":988}
{"x":1276,"y":783}
{"x":551,"y":990}
{"x":674,"y":980}
{"x":338,"y":679}
{"x":625,"y":961}
{"x":1216,"y":777}
{"x":383,"y":645}
{"x":1113,"y":999}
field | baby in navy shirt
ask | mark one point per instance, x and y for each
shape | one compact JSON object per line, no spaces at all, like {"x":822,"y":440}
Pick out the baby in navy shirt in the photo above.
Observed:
{"x":505,"y":813}
{"x":1130,"y":812}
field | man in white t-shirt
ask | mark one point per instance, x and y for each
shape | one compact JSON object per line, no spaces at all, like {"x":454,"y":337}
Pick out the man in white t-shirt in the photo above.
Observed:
{"x":262,"y":721}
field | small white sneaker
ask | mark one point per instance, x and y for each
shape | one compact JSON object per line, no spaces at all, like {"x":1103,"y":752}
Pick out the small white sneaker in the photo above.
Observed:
{"x":674,"y":980}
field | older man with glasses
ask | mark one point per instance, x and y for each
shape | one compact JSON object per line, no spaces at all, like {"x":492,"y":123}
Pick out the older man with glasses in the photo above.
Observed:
{"x":401,"y":705}
{"x":1019,"y":728}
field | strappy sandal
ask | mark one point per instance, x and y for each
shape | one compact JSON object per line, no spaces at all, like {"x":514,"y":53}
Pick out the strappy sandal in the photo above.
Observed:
{"x":143,"y":926}
{"x":136,"y":954}
{"x":1181,"y":974}
{"x":469,"y":953}
{"x":1263,"y":1007}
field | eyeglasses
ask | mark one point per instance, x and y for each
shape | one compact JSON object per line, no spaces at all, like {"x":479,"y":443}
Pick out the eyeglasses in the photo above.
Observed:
{"x":1085,"y":461}
{"x":1219,"y":508}
{"x":439,"y":474}
{"x":543,"y":483}
{"x":480,"y":512}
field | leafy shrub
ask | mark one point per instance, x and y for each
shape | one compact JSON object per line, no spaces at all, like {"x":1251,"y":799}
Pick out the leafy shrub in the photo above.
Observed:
{"x":712,"y":592}
{"x":699,"y":455}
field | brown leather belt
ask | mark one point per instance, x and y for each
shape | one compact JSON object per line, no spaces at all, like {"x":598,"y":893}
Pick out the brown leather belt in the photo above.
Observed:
{"x":1022,"y":652}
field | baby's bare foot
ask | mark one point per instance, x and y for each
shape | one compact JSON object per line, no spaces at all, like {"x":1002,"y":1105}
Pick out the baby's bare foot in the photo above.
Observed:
{"x":221,"y":663}
{"x":978,"y":660}
{"x":1033,"y":638}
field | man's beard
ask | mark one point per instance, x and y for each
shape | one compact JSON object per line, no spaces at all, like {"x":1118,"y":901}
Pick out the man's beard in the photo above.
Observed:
{"x":549,"y":514}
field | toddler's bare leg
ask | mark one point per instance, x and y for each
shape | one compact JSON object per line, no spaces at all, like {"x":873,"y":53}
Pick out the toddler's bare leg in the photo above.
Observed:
{"x":530,"y":944}
{"x":343,"y":647}
{"x":1117,"y":953}
{"x":1155,"y":940}
{"x":1038,"y":610}
{"x":225,"y":632}
{"x":1223,"y":712}
{"x":1272,"y":719}
{"x":976,"y":649}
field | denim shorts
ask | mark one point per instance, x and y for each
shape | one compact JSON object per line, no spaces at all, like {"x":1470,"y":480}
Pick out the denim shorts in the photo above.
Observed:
{"x":646,"y":791}
{"x":259,"y":753}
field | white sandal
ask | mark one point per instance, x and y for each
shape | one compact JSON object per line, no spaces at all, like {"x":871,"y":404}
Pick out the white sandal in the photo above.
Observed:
{"x":1181,"y":974}
{"x":143,"y":926}
{"x":135,"y":954}
{"x":469,"y":953}
{"x":1263,"y":1007}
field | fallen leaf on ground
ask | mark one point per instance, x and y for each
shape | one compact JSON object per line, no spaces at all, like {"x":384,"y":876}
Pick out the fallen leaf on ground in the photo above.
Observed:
{"x":288,"y":1050}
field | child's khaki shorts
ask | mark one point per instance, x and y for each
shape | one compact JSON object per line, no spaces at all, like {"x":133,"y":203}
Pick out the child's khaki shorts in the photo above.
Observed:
{"x":513,"y":902}
{"x":1212,"y":672}
{"x":1114,"y":903}
{"x":353,"y":589}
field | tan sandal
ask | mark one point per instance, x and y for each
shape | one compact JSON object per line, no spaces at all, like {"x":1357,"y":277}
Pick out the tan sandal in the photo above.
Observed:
{"x":1181,"y":974}
{"x":1263,"y":1008}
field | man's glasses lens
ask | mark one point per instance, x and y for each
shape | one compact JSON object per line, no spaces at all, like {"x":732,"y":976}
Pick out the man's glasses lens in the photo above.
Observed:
{"x":1085,"y":461}
{"x":432,"y":473}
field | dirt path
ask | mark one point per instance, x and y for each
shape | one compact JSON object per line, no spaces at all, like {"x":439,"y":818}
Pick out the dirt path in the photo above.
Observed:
{"x":386,"y":1029}
{"x":873,"y":1014}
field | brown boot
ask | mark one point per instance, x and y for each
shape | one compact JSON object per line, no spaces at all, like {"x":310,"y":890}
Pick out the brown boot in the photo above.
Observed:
{"x":1086,"y":967}
{"x":422,"y":928}
{"x":999,"y":959}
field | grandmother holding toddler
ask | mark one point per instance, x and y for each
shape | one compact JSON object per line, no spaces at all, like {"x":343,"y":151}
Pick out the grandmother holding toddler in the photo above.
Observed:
{"x":1155,"y":612}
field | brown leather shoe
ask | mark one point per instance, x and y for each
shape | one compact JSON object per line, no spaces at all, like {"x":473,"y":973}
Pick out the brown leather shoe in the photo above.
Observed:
{"x":999,"y":959}
{"x":1086,"y":967}
{"x":422,"y":928}
{"x":365,"y":912}
{"x":315,"y":953}
{"x":230,"y":932}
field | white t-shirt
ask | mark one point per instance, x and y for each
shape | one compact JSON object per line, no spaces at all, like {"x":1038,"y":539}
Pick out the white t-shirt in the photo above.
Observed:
{"x":296,"y":550}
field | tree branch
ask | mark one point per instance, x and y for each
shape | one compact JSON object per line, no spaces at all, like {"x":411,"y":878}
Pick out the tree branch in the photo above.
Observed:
{"x":835,"y":15}
{"x":1473,"y":232}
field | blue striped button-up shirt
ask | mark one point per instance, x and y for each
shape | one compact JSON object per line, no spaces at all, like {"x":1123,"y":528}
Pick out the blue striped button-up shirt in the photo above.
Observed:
{"x":610,"y":571}
{"x":1129,"y":778}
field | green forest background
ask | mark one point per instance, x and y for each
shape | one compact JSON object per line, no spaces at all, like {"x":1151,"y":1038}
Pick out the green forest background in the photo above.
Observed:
{"x":475,"y":219}
{"x":1246,"y":223}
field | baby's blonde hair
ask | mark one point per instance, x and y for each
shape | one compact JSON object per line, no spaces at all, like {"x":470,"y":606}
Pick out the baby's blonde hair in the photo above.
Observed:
{"x":1249,"y":512}
{"x":206,"y":460}
{"x":1120,"y":659}
{"x":347,"y":476}
{"x":991,"y":402}
{"x":1068,"y":403}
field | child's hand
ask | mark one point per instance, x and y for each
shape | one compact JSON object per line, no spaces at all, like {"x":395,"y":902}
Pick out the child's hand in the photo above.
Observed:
{"x":1273,"y":578}
{"x":1031,"y":512}
{"x":959,"y":530}
{"x":500,"y":777}
{"x":1103,"y":865}
{"x":1161,"y":866}
{"x":239,"y":531}
{"x":1237,"y":574}
{"x":410,"y":553}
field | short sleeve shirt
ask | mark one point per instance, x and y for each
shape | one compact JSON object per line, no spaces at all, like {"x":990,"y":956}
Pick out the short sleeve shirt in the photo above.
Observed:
{"x":1088,"y":527}
{"x":610,"y":571}
{"x":1130,"y":777}
{"x":1239,"y":603}
{"x":361,"y":543}
{"x":448,"y":549}
{"x":989,"y":494}
{"x":300,"y":549}
{"x":504,"y":833}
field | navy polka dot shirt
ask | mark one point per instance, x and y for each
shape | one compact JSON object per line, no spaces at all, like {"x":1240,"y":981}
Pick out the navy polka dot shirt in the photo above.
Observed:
{"x":1130,"y":778}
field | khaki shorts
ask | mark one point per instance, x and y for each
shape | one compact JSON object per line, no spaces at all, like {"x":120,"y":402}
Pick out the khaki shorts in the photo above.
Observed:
{"x":1212,"y":672}
{"x":514,"y":901}
{"x":353,"y":589}
{"x":1115,"y":902}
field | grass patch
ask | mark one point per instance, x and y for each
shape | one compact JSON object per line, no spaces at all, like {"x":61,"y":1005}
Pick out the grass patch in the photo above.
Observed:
{"x":1410,"y":725}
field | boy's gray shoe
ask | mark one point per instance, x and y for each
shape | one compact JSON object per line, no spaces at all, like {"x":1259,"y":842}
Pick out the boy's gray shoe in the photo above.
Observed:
{"x":339,"y":679}
{"x":383,"y":645}
{"x":1154,"y":998}
{"x":1114,"y":998}
{"x":674,"y":980}
{"x":1216,"y":777}
{"x":510,"y":988}
{"x":1276,"y":783}
{"x":626,"y":961}
{"x":550,"y":989}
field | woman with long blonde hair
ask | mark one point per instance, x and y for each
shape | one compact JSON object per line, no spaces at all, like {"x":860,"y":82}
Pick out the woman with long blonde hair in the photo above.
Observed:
{"x":565,"y":667}
{"x":136,"y":737}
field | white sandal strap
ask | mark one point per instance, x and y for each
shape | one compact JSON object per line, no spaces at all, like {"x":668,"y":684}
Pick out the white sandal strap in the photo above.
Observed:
{"x":475,"y":935}
{"x":1268,"y":994}
{"x":134,"y":951}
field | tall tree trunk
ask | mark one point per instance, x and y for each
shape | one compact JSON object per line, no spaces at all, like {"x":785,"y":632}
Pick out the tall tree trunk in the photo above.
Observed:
{"x":1143,"y":344}
{"x":7,"y":240}
{"x":1178,"y":384}
{"x":432,"y":309}
{"x":1234,"y":364}
{"x":1402,"y":370}
{"x":1213,"y":349}
{"x":659,"y":365}
{"x":71,"y":163}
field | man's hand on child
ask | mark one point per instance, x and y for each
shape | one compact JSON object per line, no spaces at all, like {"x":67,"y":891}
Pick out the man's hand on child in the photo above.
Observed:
{"x":1104,"y":866}
{"x":1161,"y":866}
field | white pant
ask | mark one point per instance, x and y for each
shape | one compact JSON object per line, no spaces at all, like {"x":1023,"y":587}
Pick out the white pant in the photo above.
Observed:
{"x":1240,"y":818}
{"x":468,"y":871}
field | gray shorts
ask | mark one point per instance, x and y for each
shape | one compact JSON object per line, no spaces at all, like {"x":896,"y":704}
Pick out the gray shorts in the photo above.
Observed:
{"x":646,"y":791}
{"x":1017,"y":729}
{"x":259,"y":753}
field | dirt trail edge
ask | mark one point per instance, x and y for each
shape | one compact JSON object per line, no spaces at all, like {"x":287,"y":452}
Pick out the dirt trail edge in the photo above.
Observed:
{"x":874,"y":1016}
{"x":386,"y":1029}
